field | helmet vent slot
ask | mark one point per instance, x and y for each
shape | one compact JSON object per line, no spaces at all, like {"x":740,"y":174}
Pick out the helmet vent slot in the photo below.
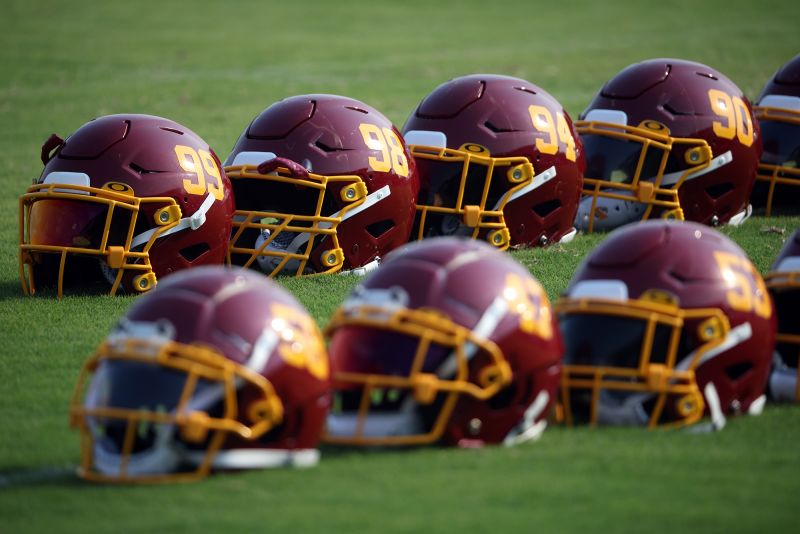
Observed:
{"x":679,"y":277}
{"x":141,"y":170}
{"x":668,"y":108}
{"x":354,"y":108}
{"x":379,"y":228}
{"x":192,"y":252}
{"x":707,"y":75}
{"x":326,"y":148}
{"x":735,"y":372}
{"x":497,"y":129}
{"x":526,"y":90}
{"x":544,"y":209}
{"x":717,"y":190}
{"x":173,"y":130}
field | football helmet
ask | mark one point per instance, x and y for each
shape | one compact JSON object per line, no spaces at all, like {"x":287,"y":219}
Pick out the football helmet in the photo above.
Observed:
{"x":141,"y":196}
{"x":215,"y":369}
{"x":662,"y":321}
{"x":499,"y":161}
{"x":778,"y":114}
{"x":667,"y":138}
{"x":322,"y":183}
{"x":783,"y":283}
{"x":449,"y":341}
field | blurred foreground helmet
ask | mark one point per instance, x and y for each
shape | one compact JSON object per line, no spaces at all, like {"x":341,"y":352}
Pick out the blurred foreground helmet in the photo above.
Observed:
{"x":322,"y":183}
{"x":778,"y":113}
{"x":217,"y":369}
{"x":125,"y":199}
{"x":783,"y":282}
{"x":499,"y":161}
{"x":671,"y":139}
{"x":449,"y":341}
{"x":662,"y":321}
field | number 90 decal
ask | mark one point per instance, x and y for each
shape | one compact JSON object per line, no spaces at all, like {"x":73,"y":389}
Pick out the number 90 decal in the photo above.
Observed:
{"x":737,"y":117}
{"x":200,"y":163}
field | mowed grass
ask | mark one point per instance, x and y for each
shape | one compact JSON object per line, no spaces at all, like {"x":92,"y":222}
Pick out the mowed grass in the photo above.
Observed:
{"x":213,"y":66}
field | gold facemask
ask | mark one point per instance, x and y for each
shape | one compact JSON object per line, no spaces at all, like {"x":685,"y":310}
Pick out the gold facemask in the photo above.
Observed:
{"x":517,"y":171}
{"x":197,"y":363}
{"x":664,"y":380}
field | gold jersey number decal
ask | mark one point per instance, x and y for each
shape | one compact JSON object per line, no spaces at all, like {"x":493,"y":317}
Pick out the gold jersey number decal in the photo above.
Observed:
{"x":737,"y":117}
{"x":385,"y":141}
{"x":527,"y":299}
{"x":195,"y":162}
{"x":747,"y":293}
{"x":556,"y":131}
{"x":300,"y":342}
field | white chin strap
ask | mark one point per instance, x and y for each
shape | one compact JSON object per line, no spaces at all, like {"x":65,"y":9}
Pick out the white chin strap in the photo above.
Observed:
{"x":195,"y":221}
{"x":538,"y":181}
{"x":720,"y":161}
{"x":529,"y":429}
{"x":237,"y":459}
{"x":615,"y":212}
{"x":268,"y":263}
{"x":162,"y":457}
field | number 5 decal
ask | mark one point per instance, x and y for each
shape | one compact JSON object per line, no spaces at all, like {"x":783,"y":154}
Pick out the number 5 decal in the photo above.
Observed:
{"x":747,"y":293}
{"x":300,"y":343}
{"x":527,"y":299}
{"x":194,"y":162}
{"x":385,"y":141}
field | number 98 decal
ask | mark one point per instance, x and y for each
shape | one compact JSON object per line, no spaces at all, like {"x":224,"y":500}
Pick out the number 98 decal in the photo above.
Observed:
{"x":384,"y":140}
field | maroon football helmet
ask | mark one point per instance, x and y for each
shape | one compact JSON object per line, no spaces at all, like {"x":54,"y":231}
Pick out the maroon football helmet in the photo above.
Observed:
{"x":143,"y":195}
{"x":667,"y":138}
{"x":322,"y":183}
{"x":449,"y":341}
{"x":783,"y":282}
{"x":778,"y":114}
{"x":216,"y":369}
{"x":498,"y":160}
{"x":662,"y":321}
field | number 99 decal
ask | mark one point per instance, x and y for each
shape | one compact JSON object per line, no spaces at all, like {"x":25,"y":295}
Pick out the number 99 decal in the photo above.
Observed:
{"x":195,"y":161}
{"x":385,"y":141}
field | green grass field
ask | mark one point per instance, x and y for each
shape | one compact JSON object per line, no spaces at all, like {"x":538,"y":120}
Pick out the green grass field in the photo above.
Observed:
{"x":212,"y":66}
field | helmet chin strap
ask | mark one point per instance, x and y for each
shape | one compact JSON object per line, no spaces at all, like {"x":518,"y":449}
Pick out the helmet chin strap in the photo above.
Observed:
{"x":162,"y":457}
{"x":194,"y":221}
{"x":538,"y":181}
{"x":300,"y":238}
{"x":528,"y":429}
